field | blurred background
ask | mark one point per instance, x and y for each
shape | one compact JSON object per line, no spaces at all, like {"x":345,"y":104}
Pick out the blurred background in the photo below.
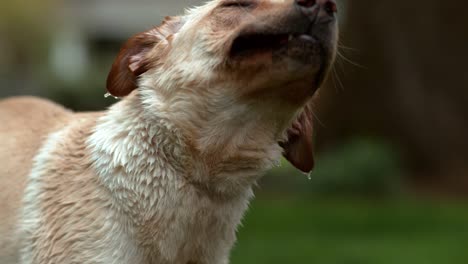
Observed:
{"x":391,"y":182}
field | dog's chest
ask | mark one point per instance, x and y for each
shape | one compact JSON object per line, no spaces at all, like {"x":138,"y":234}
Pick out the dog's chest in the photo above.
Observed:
{"x":145,"y":168}
{"x":187,"y":227}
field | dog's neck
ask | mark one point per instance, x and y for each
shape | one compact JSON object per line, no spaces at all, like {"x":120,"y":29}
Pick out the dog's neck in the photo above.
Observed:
{"x":225,"y":152}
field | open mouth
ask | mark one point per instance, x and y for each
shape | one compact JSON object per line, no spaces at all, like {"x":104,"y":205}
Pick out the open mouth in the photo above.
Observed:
{"x":251,"y":44}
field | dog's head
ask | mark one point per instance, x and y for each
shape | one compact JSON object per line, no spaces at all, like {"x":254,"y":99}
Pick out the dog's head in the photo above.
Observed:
{"x":249,"y":50}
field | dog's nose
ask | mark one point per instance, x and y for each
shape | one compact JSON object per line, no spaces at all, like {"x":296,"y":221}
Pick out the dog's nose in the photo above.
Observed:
{"x":310,"y":7}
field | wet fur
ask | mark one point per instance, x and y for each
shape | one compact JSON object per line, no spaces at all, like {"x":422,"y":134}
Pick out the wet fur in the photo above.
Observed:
{"x":166,"y":174}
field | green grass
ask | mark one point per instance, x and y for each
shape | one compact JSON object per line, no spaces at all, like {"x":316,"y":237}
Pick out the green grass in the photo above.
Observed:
{"x":353,"y":232}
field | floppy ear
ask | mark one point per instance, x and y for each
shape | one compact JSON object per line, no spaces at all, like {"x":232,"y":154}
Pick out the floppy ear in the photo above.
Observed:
{"x":131,"y":62}
{"x":134,"y":60}
{"x":298,"y":148}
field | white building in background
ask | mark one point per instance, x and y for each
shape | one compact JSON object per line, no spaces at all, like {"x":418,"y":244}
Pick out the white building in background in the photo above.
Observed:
{"x":84,"y":23}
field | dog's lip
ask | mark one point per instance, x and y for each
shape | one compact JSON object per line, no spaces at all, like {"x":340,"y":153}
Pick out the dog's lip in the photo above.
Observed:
{"x":264,"y":40}
{"x":290,"y":34}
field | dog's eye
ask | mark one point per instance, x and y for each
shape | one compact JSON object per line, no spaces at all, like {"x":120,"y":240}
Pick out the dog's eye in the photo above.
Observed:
{"x":237,"y":3}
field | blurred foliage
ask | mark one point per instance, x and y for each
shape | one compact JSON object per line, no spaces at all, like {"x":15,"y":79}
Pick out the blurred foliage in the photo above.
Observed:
{"x":20,"y":15}
{"x":361,"y":167}
{"x":352,"y":232}
{"x":86,"y":95}
{"x":25,"y":30}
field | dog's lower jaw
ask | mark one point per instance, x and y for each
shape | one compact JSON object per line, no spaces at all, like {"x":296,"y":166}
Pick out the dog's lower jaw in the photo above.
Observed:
{"x":170,"y":201}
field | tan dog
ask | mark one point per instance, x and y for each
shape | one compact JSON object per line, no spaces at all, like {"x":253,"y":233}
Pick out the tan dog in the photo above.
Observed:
{"x":165,"y":175}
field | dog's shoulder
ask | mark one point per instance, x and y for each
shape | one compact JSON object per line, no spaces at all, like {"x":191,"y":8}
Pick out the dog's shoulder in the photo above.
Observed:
{"x":25,"y":122}
{"x":13,"y":110}
{"x":31,"y":119}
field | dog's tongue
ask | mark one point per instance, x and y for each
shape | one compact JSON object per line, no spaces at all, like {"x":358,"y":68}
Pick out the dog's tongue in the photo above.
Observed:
{"x":298,"y":149}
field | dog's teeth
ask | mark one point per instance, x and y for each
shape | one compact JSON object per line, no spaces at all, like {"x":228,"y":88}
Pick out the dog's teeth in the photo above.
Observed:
{"x":290,"y":37}
{"x":307,"y":38}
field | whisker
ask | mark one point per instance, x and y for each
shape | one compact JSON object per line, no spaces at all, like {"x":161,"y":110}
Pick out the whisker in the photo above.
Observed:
{"x":344,"y":47}
{"x":343,"y":57}
{"x":336,"y":79}
{"x":317,"y":118}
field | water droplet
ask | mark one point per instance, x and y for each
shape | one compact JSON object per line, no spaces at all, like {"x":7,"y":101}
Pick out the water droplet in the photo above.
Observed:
{"x":308,"y":175}
{"x":277,"y":163}
{"x":109,"y":95}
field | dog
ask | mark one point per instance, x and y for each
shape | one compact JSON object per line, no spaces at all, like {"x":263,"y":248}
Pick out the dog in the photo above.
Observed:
{"x":210,"y":100}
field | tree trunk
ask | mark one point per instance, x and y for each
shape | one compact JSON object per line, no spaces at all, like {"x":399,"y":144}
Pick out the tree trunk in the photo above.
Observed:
{"x":412,"y":87}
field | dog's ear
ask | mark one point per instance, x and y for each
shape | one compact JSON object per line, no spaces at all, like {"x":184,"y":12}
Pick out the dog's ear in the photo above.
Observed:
{"x":298,"y":148}
{"x":136,"y":56}
{"x":131,"y":62}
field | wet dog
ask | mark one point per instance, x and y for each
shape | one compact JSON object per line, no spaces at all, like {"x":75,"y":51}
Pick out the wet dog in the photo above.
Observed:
{"x":210,"y":101}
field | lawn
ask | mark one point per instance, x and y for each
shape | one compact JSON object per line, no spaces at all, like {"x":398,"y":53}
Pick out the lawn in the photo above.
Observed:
{"x":352,"y":232}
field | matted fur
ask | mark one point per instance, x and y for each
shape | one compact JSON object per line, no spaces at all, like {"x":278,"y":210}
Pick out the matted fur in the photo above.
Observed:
{"x":166,"y":174}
